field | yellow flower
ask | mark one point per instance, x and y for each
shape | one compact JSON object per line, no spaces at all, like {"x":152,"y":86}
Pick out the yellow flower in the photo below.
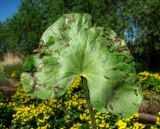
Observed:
{"x":75,"y":84}
{"x":153,"y":127}
{"x":83,"y":116}
{"x":138,"y":126}
{"x":76,"y":126}
{"x":121,"y":124}
{"x":158,"y":120}
{"x":107,"y":125}
{"x":136,"y":115}
{"x":101,"y":125}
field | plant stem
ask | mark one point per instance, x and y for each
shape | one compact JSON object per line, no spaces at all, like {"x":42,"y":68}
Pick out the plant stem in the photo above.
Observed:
{"x":87,"y":96}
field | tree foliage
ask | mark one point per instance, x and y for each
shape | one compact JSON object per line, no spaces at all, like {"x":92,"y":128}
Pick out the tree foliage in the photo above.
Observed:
{"x":145,"y":17}
{"x":136,"y":21}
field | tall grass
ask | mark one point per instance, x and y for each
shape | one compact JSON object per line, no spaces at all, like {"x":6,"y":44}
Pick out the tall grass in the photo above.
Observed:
{"x":10,"y":59}
{"x":10,"y":64}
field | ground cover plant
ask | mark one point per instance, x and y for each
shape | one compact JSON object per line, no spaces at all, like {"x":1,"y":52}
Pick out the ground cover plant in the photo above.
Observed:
{"x":70,"y":112}
{"x":25,"y":111}
{"x":72,"y":47}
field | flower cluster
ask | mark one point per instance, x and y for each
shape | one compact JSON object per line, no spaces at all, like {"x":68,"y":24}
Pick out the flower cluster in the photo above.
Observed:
{"x":74,"y":85}
{"x":158,"y":119}
{"x":144,"y":75}
{"x":150,"y":81}
{"x":26,"y":114}
{"x":130,"y":123}
{"x":121,"y":124}
{"x":67,"y":112}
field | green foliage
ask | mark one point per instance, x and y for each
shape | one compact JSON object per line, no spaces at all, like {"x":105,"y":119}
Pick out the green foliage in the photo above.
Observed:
{"x":2,"y":76}
{"x":150,"y":81}
{"x":2,"y":98}
{"x":28,"y":63}
{"x":22,"y":31}
{"x":138,"y":19}
{"x":144,"y":16}
{"x":6,"y":113}
{"x":9,"y":68}
{"x":81,"y":49}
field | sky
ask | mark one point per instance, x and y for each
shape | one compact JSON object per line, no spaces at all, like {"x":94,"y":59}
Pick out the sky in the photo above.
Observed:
{"x":8,"y":8}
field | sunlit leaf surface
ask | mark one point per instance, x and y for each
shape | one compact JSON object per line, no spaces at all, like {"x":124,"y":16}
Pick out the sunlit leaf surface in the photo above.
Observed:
{"x":73,"y":47}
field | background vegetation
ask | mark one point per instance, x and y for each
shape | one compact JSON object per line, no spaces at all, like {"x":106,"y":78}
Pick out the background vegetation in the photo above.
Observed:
{"x":136,"y":21}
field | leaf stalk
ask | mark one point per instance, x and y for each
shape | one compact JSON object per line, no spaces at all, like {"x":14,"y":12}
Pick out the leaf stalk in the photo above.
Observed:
{"x":89,"y":105}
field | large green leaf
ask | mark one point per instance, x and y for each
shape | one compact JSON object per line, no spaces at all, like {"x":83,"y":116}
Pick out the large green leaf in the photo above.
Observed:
{"x":73,"y":47}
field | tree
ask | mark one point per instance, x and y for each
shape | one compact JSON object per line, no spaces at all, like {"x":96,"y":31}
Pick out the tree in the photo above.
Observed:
{"x":145,"y":16}
{"x":135,"y":21}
